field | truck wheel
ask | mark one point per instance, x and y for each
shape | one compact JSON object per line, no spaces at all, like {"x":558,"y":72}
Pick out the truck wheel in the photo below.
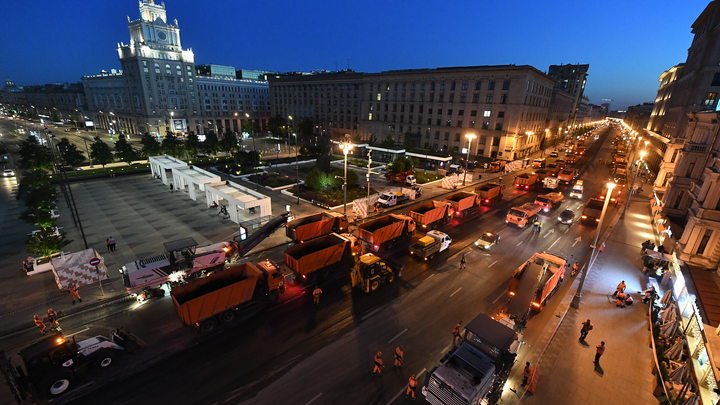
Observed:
{"x":208,"y":326}
{"x":105,"y":358}
{"x":227,"y":316}
{"x":58,"y":385}
{"x":390,"y":278}
{"x":374,"y":284}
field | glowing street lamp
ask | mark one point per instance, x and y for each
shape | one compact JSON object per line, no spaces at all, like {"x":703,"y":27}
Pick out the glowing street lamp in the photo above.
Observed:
{"x":593,"y":255}
{"x":346,"y":147}
{"x":470,"y":137}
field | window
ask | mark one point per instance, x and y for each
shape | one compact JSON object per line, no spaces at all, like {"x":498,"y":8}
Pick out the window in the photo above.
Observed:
{"x":461,"y":112}
{"x":459,"y":123}
{"x":476,"y":98}
{"x":501,"y":114}
{"x":503,"y":98}
{"x":704,"y":241}
{"x":498,"y":126}
{"x":378,"y":97}
{"x":506,"y":85}
{"x":487,"y":113}
{"x":478,"y":85}
{"x":449,"y":112}
{"x":710,"y":98}
{"x":429,"y":121}
{"x":447,"y":136}
{"x":452,"y":86}
{"x":473,"y":113}
{"x":448,"y":123}
{"x":452,"y":97}
{"x":690,"y":169}
{"x":716,"y":79}
{"x":486,"y":125}
{"x":491,"y":85}
{"x":464,"y":86}
{"x":430,"y":111}
{"x":457,"y":137}
{"x":489,"y":99}
{"x":438,"y":121}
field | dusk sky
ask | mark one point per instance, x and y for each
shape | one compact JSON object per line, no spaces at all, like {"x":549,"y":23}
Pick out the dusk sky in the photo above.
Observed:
{"x":627,"y":43}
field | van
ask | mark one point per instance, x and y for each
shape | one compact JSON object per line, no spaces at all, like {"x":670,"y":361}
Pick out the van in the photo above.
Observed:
{"x":577,"y":190}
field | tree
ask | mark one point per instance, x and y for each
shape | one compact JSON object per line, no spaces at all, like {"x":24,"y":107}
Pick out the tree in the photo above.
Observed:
{"x":211,"y":143}
{"x":228,"y":143}
{"x":46,"y":242}
{"x":277,"y":125}
{"x":54,"y":117}
{"x":125,"y":151}
{"x":100,"y":152}
{"x":171,"y":145}
{"x":34,"y":156}
{"x":306,"y":131}
{"x":150,"y":145}
{"x":192,"y":144}
{"x":402,"y":164}
{"x":69,"y":153}
{"x":323,"y":150}
{"x":247,"y":160}
{"x":317,"y":179}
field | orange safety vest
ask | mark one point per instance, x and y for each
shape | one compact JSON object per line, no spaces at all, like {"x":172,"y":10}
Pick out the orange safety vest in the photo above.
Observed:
{"x":456,"y":330}
{"x":600,"y":349}
{"x":378,"y":361}
{"x":412,"y":383}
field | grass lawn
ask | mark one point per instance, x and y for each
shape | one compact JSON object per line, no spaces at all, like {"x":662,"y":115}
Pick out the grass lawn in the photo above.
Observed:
{"x":272,"y":179}
{"x":423,"y":176}
{"x":331,"y":198}
{"x":92,"y":172}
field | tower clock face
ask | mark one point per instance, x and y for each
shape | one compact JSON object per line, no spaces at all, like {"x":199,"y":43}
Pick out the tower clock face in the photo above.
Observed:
{"x":162,"y":36}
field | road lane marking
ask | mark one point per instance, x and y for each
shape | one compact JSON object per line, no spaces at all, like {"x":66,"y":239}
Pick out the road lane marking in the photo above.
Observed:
{"x":398,"y":335}
{"x":371,"y":313}
{"x":315,"y":398}
{"x":456,"y":291}
{"x":519,"y":243}
{"x":404,"y":388}
{"x":493,"y":263}
{"x":548,"y":233}
{"x":430,"y":276}
{"x":577,"y":240}
{"x":556,"y":241}
{"x":502,"y":294}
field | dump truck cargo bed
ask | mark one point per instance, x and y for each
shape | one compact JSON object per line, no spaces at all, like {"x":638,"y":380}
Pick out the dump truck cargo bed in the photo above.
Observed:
{"x":316,"y":253}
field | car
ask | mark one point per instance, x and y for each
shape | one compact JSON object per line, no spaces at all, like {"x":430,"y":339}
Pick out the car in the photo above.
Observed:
{"x":8,"y":173}
{"x":553,"y":154}
{"x":566,"y":217}
{"x":487,"y":240}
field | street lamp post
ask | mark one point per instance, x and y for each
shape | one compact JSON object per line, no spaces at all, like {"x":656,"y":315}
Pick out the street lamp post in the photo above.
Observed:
{"x":346,"y":148}
{"x":368,"y":172}
{"x":297,"y":169}
{"x":470,"y":138}
{"x":578,"y":294}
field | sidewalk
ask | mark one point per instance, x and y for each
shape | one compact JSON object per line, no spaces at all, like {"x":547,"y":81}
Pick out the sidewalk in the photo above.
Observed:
{"x":625,"y":371}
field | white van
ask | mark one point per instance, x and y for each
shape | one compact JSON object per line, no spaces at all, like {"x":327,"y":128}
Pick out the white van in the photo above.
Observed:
{"x":577,"y":190}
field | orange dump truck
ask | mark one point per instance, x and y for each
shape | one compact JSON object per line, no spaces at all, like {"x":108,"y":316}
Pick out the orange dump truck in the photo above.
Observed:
{"x":489,"y":193}
{"x":533,"y":282}
{"x":312,"y":226}
{"x":549,"y":201}
{"x":222,"y":296}
{"x":522,"y":215}
{"x":317,"y":257}
{"x":430,"y":214}
{"x":525,"y":181}
{"x":385,"y":230}
{"x":463,"y":203}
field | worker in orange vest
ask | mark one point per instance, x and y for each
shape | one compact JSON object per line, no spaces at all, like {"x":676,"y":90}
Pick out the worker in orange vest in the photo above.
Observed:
{"x":39,"y":323}
{"x":526,"y":373}
{"x":599,"y":350}
{"x":75,"y":294}
{"x":575,"y":269}
{"x":456,"y":332}
{"x":411,"y":387}
{"x":316,"y":295}
{"x":52,"y":317}
{"x":378,"y":364}
{"x":399,"y":357}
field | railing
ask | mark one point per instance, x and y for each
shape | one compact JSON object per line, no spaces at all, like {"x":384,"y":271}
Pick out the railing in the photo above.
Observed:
{"x":694,"y":147}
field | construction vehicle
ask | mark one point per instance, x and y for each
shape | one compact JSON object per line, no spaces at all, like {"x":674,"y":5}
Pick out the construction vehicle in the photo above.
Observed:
{"x":566,"y":176}
{"x":525,"y":181}
{"x":370,"y":271}
{"x":475,"y":371}
{"x":551,"y":183}
{"x":391,"y":199}
{"x":553,"y":169}
{"x":489,"y":193}
{"x":538,"y":163}
{"x":223,"y":296}
{"x":541,"y":174}
{"x":432,"y":243}
{"x":430,"y":214}
{"x":463,"y":203}
{"x":532,"y":283}
{"x":497,"y":166}
{"x":592,"y":211}
{"x":407,"y":177}
{"x":183,"y":261}
{"x":549,"y":201}
{"x":385,"y":231}
{"x":577,"y":190}
{"x":318,"y":257}
{"x":55,"y":364}
{"x":522,"y":215}
{"x":312,"y":226}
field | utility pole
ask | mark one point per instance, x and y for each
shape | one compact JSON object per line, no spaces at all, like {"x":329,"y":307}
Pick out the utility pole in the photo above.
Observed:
{"x":368,"y":172}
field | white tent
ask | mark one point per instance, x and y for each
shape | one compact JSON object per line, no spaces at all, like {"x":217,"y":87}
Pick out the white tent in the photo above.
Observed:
{"x":238,"y":200}
{"x":192,"y":179}
{"x":159,"y":165}
{"x":74,"y":269}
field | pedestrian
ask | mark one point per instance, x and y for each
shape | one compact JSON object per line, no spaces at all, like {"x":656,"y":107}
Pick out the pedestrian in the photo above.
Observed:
{"x":112,"y":242}
{"x":52,"y":317}
{"x":575,"y":269}
{"x":456,"y":333}
{"x":171,"y":187}
{"x":620,"y":288}
{"x":587,"y":326}
{"x":39,"y":323}
{"x":316,"y":295}
{"x":526,"y":373}
{"x":411,"y":387}
{"x":602,"y":247}
{"x":399,"y":357}
{"x":462,"y":262}
{"x":107,"y":244}
{"x":377,"y":364}
{"x":599,"y":350}
{"x":620,"y":300}
{"x":75,"y":294}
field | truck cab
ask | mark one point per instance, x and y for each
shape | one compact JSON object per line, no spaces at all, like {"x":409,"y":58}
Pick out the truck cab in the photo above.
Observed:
{"x":522,"y":215}
{"x":476,"y":370}
{"x":429,"y":245}
{"x":391,"y":199}
{"x":538,"y":163}
{"x":549,"y":201}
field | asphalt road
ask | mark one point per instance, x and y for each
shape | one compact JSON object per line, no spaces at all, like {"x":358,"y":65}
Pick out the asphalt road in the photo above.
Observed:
{"x":296,"y":352}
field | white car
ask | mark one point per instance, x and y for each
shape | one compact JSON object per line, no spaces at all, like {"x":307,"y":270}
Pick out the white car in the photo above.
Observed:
{"x":8,"y":173}
{"x":487,"y":240}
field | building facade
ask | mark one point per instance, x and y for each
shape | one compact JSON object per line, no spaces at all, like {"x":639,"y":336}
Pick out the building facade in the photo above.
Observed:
{"x":507,"y":107}
{"x":54,"y":102}
{"x":571,"y":78}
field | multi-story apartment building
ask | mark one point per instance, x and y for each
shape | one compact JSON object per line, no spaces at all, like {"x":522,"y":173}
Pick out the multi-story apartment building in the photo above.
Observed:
{"x":571,"y":78}
{"x":226,"y":103}
{"x":508,"y":107}
{"x":55,"y":101}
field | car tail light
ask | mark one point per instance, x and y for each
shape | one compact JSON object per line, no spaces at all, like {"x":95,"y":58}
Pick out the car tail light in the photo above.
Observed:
{"x":512,"y":293}
{"x":584,"y":217}
{"x":376,"y":247}
{"x":487,"y":201}
{"x":424,"y":226}
{"x":536,"y":304}
{"x":597,"y":219}
{"x":527,"y":187}
{"x":517,"y":184}
{"x":304,"y":277}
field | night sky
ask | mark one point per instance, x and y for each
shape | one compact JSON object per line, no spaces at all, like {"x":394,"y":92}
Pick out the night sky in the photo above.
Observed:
{"x":627,"y":43}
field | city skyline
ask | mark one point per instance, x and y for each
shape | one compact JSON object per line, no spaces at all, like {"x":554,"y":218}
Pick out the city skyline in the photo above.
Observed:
{"x":624,"y":50}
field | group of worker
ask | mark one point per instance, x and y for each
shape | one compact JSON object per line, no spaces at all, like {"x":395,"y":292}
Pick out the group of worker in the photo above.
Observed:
{"x":622,"y":299}
{"x":52,"y":320}
{"x":398,"y":359}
